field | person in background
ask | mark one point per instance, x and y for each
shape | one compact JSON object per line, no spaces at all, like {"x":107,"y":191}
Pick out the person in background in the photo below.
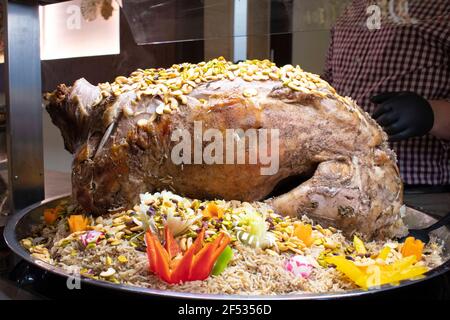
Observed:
{"x":398,"y":70}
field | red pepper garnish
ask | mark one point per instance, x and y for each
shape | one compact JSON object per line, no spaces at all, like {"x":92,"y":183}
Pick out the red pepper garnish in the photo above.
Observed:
{"x":183,"y":268}
{"x":198,"y":243}
{"x":196,"y":263}
{"x":205,"y":259}
{"x":158,"y":257}
{"x":151,"y":252}
{"x":171,"y":245}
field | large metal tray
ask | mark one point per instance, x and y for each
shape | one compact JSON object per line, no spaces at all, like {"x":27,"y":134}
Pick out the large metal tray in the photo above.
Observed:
{"x":20,"y":224}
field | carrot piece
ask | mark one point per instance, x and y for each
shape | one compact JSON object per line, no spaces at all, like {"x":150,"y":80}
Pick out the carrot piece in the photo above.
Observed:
{"x":304,"y":233}
{"x":171,"y":245}
{"x":50,"y":215}
{"x":412,"y":247}
{"x":77,"y":222}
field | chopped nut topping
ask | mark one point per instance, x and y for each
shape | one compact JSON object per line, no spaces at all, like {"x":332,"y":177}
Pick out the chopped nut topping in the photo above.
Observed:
{"x":173,"y":85}
{"x":251,"y":92}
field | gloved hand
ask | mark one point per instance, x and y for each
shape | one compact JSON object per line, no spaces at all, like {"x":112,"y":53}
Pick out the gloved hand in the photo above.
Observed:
{"x":403,"y":115}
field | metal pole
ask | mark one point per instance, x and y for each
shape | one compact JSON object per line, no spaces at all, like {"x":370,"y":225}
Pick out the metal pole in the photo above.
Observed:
{"x":24,"y":103}
{"x":240,"y":29}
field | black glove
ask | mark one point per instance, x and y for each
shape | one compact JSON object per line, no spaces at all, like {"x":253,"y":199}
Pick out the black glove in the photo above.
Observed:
{"x":403,"y":115}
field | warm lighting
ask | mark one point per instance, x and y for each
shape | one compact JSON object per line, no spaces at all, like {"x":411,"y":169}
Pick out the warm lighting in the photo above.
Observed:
{"x":65,"y":33}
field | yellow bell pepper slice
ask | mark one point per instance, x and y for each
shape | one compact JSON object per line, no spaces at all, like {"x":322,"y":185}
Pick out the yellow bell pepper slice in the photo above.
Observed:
{"x":348,"y":268}
{"x":384,"y":253}
{"x":409,"y":273}
{"x":359,"y":245}
{"x":377,"y":275}
{"x":403,"y":269}
{"x":401,"y":264}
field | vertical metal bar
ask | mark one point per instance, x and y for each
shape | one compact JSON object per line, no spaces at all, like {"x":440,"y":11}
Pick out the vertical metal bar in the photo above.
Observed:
{"x":24,"y":103}
{"x":240,"y":30}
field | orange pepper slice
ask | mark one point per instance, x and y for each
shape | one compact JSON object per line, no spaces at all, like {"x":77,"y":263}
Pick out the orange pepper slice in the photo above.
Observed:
{"x":77,"y":222}
{"x":412,"y":247}
{"x":50,"y":215}
{"x":304,"y":233}
{"x":212,"y":210}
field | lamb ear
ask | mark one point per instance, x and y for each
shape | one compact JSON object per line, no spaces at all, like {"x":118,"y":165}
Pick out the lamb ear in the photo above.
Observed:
{"x":87,"y":95}
{"x":70,"y":109}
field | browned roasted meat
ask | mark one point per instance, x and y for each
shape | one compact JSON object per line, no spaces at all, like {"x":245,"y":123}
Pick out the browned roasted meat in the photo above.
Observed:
{"x":336,"y":155}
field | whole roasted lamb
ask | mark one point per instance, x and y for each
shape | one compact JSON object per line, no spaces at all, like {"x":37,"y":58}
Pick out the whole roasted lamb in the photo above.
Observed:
{"x":126,"y":138}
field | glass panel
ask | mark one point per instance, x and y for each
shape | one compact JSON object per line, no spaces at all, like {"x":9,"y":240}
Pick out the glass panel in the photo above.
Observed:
{"x":159,"y":21}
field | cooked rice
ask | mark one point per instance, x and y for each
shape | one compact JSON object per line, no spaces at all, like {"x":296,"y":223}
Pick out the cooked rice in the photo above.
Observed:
{"x":252,"y":271}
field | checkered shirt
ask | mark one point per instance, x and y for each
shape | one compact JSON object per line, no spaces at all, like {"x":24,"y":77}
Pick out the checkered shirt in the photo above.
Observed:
{"x":409,"y":52}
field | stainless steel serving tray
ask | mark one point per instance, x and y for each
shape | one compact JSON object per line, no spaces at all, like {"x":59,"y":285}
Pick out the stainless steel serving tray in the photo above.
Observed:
{"x":19,"y":226}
